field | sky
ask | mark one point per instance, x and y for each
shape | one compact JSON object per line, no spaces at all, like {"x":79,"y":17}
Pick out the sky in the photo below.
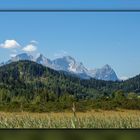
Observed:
{"x":94,"y":38}
{"x":69,"y":4}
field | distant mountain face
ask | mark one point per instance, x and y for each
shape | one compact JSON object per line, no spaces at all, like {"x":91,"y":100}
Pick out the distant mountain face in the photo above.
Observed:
{"x":105,"y":73}
{"x":66,"y":63}
{"x":44,"y":61}
{"x":23,"y":56}
{"x":69,"y":64}
{"x":1,"y":64}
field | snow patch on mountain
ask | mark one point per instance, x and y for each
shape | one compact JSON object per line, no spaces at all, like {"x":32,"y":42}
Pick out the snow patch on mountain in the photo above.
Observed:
{"x":67,"y":63}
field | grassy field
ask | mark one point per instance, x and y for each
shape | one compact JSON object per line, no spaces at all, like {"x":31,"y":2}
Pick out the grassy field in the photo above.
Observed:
{"x":92,"y":119}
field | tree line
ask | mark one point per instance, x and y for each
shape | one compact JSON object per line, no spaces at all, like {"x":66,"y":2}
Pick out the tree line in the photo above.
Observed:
{"x":29,"y":86}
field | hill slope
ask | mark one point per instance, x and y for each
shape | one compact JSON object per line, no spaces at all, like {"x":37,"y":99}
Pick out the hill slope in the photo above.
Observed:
{"x":28,"y":85}
{"x":30,"y":76}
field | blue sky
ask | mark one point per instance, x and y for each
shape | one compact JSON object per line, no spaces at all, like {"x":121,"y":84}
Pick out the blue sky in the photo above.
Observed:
{"x":69,"y":4}
{"x":94,"y":38}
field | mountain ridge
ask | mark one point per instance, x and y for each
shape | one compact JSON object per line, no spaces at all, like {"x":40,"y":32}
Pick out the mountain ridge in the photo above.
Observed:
{"x":30,"y":86}
{"x":69,"y":64}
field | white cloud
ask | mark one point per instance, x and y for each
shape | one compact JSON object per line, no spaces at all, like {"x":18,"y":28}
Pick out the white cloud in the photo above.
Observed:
{"x":124,"y":78}
{"x":13,"y":55}
{"x":33,"y":42}
{"x":60,"y":54}
{"x":30,"y":48}
{"x":8,"y":44}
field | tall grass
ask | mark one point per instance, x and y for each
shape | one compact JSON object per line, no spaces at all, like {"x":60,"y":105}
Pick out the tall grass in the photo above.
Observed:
{"x":93,"y":119}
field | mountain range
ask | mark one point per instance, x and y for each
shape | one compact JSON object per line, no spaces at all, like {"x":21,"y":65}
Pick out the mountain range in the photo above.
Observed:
{"x":33,"y":87}
{"x":70,"y":65}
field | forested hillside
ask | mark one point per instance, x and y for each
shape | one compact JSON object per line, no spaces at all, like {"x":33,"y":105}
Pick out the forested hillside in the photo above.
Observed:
{"x":31,"y":86}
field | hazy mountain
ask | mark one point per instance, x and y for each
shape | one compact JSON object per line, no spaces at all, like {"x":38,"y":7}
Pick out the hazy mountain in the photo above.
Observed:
{"x":1,"y":64}
{"x":105,"y":73}
{"x":66,"y":63}
{"x":69,"y":64}
{"x":23,"y":56}
{"x":44,"y":61}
